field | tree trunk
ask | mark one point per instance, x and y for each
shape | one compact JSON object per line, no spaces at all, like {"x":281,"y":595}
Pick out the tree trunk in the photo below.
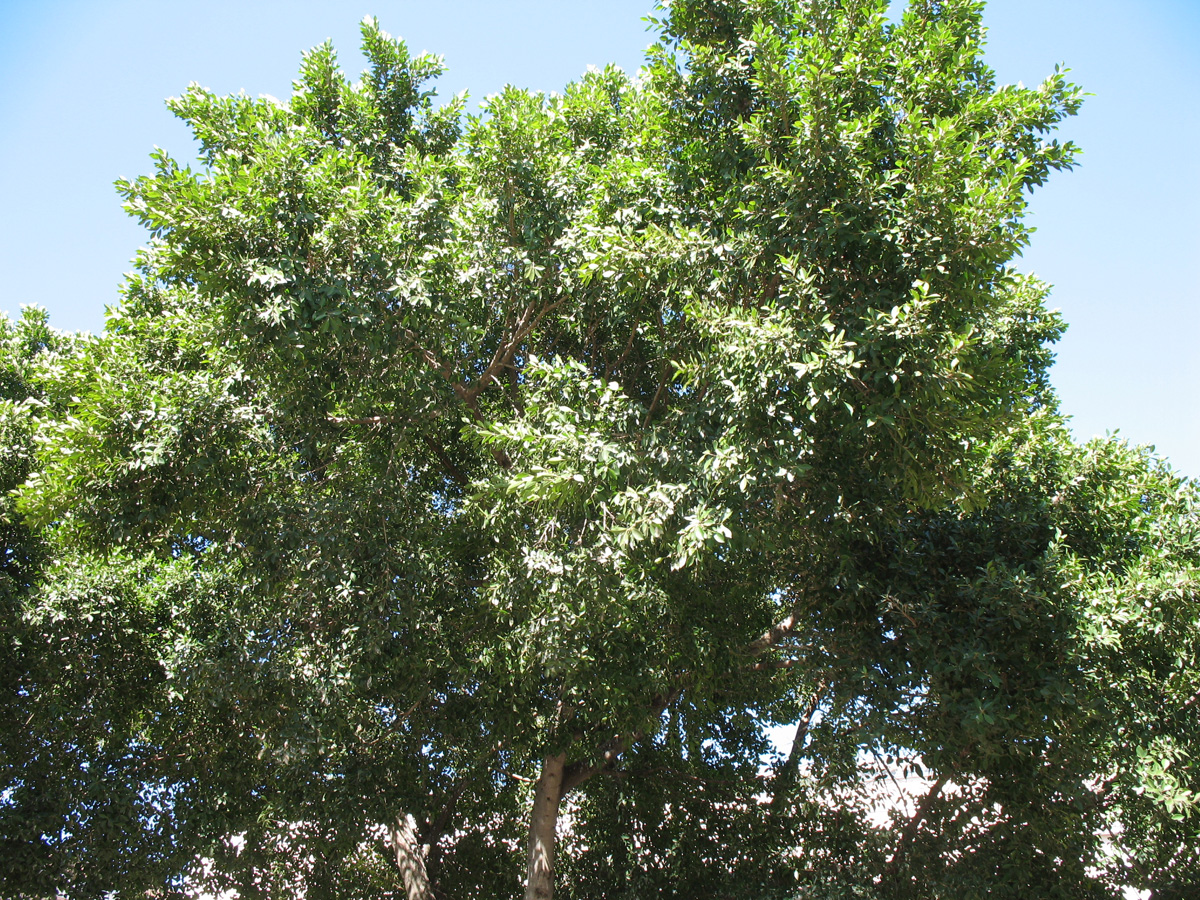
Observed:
{"x":540,"y":881}
{"x":409,"y":859}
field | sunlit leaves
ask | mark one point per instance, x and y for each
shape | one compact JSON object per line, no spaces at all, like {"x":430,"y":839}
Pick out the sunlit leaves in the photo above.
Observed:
{"x":423,"y":444}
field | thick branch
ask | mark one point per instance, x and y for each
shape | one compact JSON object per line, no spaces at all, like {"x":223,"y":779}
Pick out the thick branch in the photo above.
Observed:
{"x":791,"y":766}
{"x":772,"y":636}
{"x":910,"y":830}
{"x":609,"y":370}
{"x":580,"y":771}
{"x":466,"y":394}
{"x":435,"y":828}
{"x":507,"y":349}
{"x":662,"y":386}
{"x":662,"y":377}
{"x":435,"y":362}
{"x":772,"y":289}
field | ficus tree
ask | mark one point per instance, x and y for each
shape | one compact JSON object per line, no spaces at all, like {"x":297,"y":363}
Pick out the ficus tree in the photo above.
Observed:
{"x":436,"y":470}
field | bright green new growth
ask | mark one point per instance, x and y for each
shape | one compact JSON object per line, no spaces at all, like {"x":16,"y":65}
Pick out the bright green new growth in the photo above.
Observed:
{"x":436,"y":473}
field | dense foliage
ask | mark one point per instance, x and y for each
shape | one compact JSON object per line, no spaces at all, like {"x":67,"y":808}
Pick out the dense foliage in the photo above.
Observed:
{"x":444,"y":484}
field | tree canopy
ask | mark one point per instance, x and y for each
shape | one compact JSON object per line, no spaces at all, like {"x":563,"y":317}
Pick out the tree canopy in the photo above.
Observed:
{"x":453,"y":503}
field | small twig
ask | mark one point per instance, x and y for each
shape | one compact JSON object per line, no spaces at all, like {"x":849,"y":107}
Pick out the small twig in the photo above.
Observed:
{"x":368,"y":420}
{"x":888,"y":769}
{"x":662,"y":385}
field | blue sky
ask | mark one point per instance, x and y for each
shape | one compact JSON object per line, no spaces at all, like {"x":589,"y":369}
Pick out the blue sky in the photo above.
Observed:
{"x":82,"y":85}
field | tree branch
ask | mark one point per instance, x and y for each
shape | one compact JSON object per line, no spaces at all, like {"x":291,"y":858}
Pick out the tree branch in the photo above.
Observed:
{"x":437,"y":827}
{"x":448,"y":465}
{"x":507,"y":349}
{"x":772,"y":636}
{"x":368,"y":420}
{"x":580,"y":771}
{"x":910,"y":830}
{"x":791,"y":766}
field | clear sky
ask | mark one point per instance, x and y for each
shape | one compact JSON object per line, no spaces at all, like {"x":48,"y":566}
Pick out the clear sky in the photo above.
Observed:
{"x":82,"y":85}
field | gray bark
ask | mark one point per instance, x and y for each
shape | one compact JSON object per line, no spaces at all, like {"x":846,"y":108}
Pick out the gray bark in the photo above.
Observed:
{"x":410,"y":860}
{"x":543,"y":823}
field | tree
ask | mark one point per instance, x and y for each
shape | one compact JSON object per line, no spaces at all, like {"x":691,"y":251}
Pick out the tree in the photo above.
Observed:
{"x":439,"y":465}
